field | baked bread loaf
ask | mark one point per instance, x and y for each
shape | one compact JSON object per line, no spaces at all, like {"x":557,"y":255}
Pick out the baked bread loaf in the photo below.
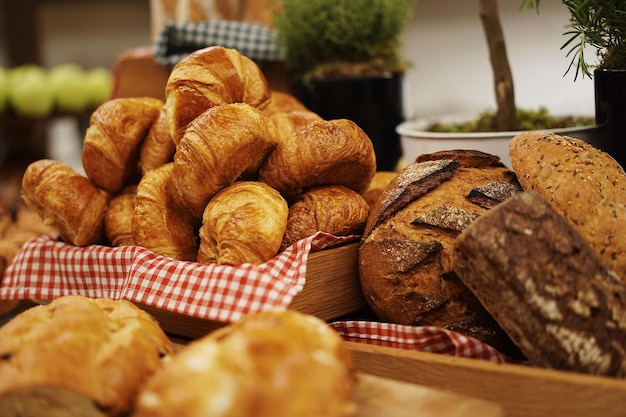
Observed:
{"x":159,"y":223}
{"x":118,"y":219}
{"x":333,"y":209}
{"x":113,"y":140}
{"x":222,"y":144}
{"x":336,"y":152}
{"x":78,"y":357}
{"x":377,"y":185}
{"x":243,"y":223}
{"x":404,"y":256}
{"x":585,"y":185}
{"x":271,"y":364}
{"x":546,"y":286}
{"x":211,"y":77}
{"x":66,"y":201}
{"x":158,"y":147}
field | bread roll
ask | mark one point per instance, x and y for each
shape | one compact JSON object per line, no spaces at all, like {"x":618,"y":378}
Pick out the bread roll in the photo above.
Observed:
{"x":78,"y":357}
{"x":404,"y":257}
{"x":585,"y":185}
{"x":113,"y":140}
{"x":333,"y":209}
{"x":159,"y":223}
{"x":271,"y":364}
{"x":243,"y":223}
{"x":118,"y":219}
{"x":219,"y":146}
{"x":66,"y":201}
{"x":546,"y":286}
{"x":211,"y":77}
{"x":326,"y":152}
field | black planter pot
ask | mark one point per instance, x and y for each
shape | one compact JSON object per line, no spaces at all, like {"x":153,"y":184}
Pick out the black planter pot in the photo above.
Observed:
{"x":610,"y":103}
{"x":373,"y":103}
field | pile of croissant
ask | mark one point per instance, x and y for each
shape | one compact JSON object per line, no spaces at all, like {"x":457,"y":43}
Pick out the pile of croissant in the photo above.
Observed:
{"x":224,"y":170}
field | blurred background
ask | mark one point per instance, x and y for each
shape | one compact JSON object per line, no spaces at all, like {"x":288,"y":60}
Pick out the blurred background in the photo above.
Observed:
{"x":449,"y":73}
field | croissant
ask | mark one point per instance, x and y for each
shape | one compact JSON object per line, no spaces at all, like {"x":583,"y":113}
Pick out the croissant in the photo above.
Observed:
{"x":118,"y":219}
{"x":219,"y":146}
{"x":281,"y":101}
{"x":158,"y":147}
{"x":333,"y":209}
{"x":210,"y":77}
{"x":66,"y":201}
{"x":158,"y":223}
{"x":325,"y":152}
{"x":243,"y":223}
{"x":289,"y":122}
{"x":113,"y":139}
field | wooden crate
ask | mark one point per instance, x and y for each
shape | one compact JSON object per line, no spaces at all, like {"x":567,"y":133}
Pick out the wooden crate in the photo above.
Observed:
{"x":521,"y":390}
{"x":332,"y":290}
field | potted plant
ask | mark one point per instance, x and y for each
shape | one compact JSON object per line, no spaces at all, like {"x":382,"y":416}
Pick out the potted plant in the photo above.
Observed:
{"x":600,"y":25}
{"x":344,"y":62}
{"x":489,"y":131}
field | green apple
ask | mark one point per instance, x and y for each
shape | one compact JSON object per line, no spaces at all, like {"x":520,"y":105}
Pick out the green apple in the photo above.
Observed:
{"x":69,"y":86}
{"x":99,"y":85}
{"x":29,"y":91}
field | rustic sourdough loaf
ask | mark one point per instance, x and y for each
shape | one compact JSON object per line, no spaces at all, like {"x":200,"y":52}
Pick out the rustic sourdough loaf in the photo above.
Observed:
{"x":585,"y":185}
{"x":77,"y":356}
{"x":404,"y":256}
{"x":546,"y":286}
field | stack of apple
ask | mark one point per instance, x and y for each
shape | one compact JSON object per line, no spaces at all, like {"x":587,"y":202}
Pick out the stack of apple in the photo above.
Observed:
{"x":35,"y":91}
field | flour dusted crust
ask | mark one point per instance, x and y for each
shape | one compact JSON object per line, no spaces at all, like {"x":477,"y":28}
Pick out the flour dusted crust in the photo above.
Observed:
{"x":404,"y":257}
{"x":269,"y":364}
{"x":546,"y":286}
{"x":77,"y":356}
{"x":583,"y":184}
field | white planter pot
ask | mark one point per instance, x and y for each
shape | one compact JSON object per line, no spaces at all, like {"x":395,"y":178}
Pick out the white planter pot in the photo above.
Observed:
{"x":415,"y":140}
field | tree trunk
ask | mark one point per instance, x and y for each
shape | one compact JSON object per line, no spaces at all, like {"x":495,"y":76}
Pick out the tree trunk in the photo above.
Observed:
{"x":503,"y":80}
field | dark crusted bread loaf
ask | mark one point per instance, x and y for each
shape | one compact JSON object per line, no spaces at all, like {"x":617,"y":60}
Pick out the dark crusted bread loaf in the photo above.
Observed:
{"x":585,"y":185}
{"x":404,"y":257}
{"x":546,"y":286}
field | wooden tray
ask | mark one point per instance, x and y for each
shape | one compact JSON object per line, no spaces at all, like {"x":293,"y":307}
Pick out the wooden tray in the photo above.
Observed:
{"x":521,"y":390}
{"x":332,"y":290}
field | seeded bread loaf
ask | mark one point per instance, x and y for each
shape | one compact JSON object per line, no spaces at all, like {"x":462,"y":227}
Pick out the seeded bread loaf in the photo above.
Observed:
{"x":546,"y":286}
{"x":583,"y":184}
{"x":404,"y":256}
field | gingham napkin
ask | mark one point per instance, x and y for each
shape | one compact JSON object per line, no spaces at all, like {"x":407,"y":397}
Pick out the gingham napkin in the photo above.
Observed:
{"x":175,"y":40}
{"x":422,"y":338}
{"x":46,"y":268}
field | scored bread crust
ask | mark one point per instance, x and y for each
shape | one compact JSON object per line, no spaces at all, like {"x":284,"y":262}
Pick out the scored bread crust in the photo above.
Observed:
{"x":583,"y":184}
{"x":404,"y":256}
{"x":78,"y":356}
{"x":546,"y":286}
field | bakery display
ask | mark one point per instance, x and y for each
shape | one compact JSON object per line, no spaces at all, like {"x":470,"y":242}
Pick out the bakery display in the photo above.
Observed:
{"x":274,"y":364}
{"x":546,"y":286}
{"x":78,"y":356}
{"x":152,"y":168}
{"x":405,"y":253}
{"x":582,"y":183}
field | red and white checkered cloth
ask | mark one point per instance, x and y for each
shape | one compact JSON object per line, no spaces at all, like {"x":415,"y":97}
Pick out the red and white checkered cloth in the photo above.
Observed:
{"x":47,"y":268}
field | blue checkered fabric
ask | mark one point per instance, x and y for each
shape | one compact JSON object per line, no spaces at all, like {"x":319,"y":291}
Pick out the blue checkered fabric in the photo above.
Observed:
{"x":176,"y":40}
